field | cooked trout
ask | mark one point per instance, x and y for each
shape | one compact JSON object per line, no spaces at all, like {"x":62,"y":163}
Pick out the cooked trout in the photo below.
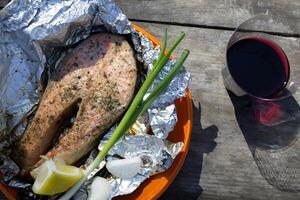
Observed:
{"x":97,"y":79}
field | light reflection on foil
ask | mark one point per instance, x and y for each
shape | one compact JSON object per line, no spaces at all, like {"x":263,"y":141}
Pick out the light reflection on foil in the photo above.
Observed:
{"x":162,"y":120}
{"x":157,"y":156}
{"x":32,"y":36}
{"x":162,"y":125}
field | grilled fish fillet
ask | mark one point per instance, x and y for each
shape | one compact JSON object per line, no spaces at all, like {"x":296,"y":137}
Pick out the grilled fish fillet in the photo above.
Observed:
{"x":98,"y":77}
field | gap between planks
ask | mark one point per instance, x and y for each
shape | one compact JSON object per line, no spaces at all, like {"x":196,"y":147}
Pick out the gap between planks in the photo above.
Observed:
{"x":224,"y":28}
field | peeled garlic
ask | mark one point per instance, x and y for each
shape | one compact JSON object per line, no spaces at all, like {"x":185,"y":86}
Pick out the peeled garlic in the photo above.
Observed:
{"x":124,"y":168}
{"x":100,"y":189}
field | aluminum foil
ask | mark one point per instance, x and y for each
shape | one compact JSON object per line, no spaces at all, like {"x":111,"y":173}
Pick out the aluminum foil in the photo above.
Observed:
{"x":33,"y":37}
{"x":32,"y":34}
{"x":162,"y":114}
{"x":157,"y":156}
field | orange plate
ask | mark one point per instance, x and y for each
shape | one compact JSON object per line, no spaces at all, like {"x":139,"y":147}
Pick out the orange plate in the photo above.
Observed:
{"x":155,"y":186}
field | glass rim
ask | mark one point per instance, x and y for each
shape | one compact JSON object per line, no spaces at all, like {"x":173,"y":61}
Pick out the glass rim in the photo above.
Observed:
{"x":282,"y":92}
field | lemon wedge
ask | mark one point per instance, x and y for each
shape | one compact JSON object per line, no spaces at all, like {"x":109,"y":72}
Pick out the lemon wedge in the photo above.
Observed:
{"x":54,"y":177}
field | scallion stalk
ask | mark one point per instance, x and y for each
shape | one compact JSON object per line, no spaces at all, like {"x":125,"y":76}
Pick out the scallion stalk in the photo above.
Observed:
{"x":136,"y":108}
{"x":163,"y":49}
{"x":159,"y":88}
{"x":163,"y":84}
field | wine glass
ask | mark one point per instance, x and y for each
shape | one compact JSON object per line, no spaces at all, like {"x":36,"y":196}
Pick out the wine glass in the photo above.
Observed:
{"x":258,"y":66}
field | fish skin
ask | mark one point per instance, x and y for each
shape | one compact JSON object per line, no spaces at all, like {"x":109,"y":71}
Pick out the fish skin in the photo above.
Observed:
{"x":99,"y":77}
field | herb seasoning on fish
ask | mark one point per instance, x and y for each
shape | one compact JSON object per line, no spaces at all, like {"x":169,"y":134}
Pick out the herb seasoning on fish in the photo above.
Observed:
{"x":100,"y":83}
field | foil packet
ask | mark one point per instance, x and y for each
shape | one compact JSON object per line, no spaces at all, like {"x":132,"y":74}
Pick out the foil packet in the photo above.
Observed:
{"x":156,"y":154}
{"x":34,"y":35}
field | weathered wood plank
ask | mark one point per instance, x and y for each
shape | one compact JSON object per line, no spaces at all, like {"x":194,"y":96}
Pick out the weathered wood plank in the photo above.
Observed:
{"x":219,"y":160}
{"x":220,"y":13}
{"x":207,"y":13}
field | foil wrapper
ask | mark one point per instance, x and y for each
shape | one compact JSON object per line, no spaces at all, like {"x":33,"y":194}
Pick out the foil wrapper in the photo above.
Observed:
{"x":162,"y":114}
{"x":157,"y":156}
{"x":33,"y":36}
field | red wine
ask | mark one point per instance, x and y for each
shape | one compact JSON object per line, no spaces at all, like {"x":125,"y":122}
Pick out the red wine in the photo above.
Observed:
{"x":258,"y":65}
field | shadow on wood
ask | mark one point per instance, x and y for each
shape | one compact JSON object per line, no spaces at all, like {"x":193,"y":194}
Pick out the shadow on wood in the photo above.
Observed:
{"x":186,"y":184}
{"x":274,"y":148}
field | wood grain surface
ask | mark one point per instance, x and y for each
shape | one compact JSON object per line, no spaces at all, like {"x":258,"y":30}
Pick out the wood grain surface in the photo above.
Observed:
{"x":219,"y":164}
{"x":227,"y":159}
{"x":213,"y":13}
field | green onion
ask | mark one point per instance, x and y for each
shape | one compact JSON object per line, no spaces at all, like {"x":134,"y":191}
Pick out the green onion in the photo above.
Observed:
{"x":159,"y":88}
{"x":137,"y":107}
{"x":163,"y":84}
{"x":163,"y":49}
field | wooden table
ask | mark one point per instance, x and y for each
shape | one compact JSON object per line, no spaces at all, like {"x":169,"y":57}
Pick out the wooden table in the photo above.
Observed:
{"x":221,"y":162}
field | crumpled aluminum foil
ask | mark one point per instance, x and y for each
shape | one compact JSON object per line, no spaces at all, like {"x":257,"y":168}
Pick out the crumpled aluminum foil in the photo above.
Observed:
{"x":33,"y":36}
{"x":157,"y":156}
{"x":162,"y":114}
